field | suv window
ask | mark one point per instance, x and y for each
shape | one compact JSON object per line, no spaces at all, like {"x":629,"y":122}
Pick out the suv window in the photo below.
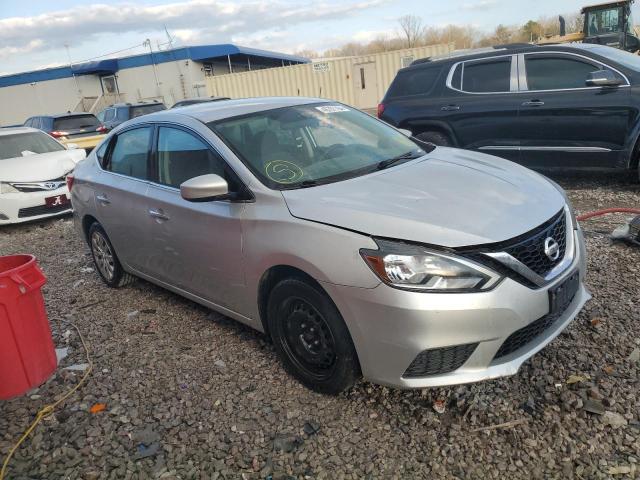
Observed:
{"x":487,"y":76}
{"x":75,"y":122}
{"x":109,"y":114}
{"x":140,"y":110}
{"x":414,"y":82}
{"x":182,"y":156}
{"x":557,"y":72}
{"x":130,"y":152}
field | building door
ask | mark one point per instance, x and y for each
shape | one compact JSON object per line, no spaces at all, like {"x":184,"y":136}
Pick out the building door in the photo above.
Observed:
{"x":109,"y":85}
{"x":365,"y":85}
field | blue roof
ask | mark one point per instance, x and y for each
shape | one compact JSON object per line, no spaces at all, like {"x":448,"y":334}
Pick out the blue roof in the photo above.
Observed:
{"x":197,"y":53}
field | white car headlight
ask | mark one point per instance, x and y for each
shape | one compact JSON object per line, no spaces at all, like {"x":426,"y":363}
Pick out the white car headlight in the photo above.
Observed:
{"x":7,"y":188}
{"x":413,"y":267}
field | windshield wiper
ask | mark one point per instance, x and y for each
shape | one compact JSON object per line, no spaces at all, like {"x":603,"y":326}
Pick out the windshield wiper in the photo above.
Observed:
{"x":392,"y":161}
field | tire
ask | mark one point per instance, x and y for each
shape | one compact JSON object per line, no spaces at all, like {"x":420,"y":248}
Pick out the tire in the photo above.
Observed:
{"x":437,"y":138}
{"x":311,"y":338}
{"x":106,"y":260}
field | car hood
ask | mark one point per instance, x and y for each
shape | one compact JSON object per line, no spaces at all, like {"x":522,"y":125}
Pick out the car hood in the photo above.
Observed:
{"x":450,"y":198}
{"x":39,"y":167}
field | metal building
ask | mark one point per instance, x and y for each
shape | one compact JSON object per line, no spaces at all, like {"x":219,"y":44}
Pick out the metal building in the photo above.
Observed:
{"x":167,"y":75}
{"x":360,"y":81}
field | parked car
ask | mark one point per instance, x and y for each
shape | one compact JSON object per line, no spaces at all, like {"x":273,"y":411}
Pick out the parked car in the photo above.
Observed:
{"x":357,"y":249}
{"x":567,"y":106}
{"x":82,"y":129}
{"x":119,"y":113}
{"x":193,"y":101}
{"x":33,"y":170}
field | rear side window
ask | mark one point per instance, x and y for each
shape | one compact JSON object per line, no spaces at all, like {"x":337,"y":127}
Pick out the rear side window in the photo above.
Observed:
{"x":414,"y":82}
{"x":74,"y":122}
{"x":554,"y":73}
{"x":129,"y":154}
{"x":487,"y":76}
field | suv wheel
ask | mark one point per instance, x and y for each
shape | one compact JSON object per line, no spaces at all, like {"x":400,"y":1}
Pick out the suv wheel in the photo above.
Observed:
{"x":437,"y":138}
{"x":106,"y":260}
{"x":311,"y":338}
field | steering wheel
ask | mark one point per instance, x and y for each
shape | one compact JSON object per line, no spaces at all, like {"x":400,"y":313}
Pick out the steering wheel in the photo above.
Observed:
{"x":334,"y":150}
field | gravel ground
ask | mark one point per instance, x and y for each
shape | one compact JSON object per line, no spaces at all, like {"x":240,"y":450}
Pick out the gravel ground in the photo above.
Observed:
{"x":201,"y":396}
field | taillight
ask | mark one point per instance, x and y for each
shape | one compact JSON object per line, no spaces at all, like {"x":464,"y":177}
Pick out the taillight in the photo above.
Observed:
{"x":380,"y":109}
{"x":101,"y":129}
{"x":69,"y":180}
{"x":58,"y":134}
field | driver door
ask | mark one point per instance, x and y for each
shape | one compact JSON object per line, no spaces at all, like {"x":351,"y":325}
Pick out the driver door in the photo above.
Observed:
{"x":195,"y":246}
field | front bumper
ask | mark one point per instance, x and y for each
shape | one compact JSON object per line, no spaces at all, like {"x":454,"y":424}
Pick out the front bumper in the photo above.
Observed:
{"x":28,"y":206}
{"x":391,"y":327}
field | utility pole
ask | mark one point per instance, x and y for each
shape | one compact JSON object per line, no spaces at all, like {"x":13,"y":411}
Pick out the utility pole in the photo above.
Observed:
{"x":66,"y":46}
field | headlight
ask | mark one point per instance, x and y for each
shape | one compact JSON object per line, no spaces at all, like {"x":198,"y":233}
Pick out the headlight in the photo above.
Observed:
{"x":412,"y":267}
{"x":7,"y":188}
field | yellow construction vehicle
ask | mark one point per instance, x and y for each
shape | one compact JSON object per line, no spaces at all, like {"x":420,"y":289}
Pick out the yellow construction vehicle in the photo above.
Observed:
{"x":607,"y":23}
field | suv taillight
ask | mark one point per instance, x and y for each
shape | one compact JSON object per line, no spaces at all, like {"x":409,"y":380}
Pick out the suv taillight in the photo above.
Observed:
{"x":380,"y":109}
{"x":101,"y":129}
{"x":58,"y":134}
{"x":69,"y":180}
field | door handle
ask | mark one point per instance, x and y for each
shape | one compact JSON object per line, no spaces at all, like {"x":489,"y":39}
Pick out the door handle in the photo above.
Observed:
{"x":533,"y":103}
{"x":103,"y":199}
{"x":449,"y":108}
{"x":158,"y":214}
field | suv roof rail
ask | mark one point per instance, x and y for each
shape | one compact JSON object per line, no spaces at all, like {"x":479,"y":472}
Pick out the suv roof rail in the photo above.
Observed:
{"x":420,"y":60}
{"x":510,"y":46}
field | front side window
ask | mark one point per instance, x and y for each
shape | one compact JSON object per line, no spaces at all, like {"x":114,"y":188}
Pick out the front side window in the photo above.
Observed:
{"x":129,"y":154}
{"x":555,"y":73}
{"x":487,"y":76}
{"x":182,"y":156}
{"x":305,"y":145}
{"x":25,"y":144}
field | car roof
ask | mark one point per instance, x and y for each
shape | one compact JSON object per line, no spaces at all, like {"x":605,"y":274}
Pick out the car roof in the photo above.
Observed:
{"x":488,"y":52}
{"x":16,"y":130}
{"x":212,"y":111}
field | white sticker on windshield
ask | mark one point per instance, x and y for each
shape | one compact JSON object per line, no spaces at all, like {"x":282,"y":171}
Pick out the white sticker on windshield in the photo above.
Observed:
{"x":332,"y":108}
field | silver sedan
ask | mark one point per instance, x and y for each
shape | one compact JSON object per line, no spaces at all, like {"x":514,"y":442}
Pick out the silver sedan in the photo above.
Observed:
{"x":360,"y":250}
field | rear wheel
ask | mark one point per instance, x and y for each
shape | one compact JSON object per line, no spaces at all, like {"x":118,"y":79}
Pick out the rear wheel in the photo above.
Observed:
{"x":106,"y":260}
{"x":437,"y":138}
{"x":311,"y":337}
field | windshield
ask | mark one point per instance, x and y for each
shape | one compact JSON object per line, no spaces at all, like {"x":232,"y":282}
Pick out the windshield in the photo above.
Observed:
{"x":12,"y":146}
{"x":306,"y":145}
{"x":75,"y":122}
{"x":140,"y":110}
{"x":626,"y":59}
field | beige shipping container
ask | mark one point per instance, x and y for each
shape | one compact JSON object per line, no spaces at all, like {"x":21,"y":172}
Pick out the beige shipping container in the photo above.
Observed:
{"x":360,"y":81}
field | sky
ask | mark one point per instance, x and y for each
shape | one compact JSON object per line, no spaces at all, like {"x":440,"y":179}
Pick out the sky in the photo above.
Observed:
{"x":33,"y":33}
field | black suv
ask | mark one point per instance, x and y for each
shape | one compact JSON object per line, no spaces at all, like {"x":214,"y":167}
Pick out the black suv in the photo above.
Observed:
{"x":547,"y":106}
{"x":67,"y":125}
{"x":119,"y":113}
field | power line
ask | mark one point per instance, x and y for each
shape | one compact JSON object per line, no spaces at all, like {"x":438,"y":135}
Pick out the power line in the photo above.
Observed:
{"x":113,"y":53}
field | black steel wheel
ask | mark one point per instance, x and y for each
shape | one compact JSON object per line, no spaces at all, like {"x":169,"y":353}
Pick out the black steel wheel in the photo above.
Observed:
{"x":311,"y":337}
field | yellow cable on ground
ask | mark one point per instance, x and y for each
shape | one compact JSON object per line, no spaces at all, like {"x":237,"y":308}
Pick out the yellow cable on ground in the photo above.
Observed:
{"x":49,"y":409}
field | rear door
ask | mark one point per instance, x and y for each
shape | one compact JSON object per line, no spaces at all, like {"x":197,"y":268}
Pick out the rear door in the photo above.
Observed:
{"x":120,"y":195}
{"x":195,"y":246}
{"x":565,"y":123}
{"x":480,"y":103}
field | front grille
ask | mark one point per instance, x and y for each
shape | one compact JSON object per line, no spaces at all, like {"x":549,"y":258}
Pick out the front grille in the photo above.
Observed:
{"x":529,"y":333}
{"x":437,"y":361}
{"x":530,"y":251}
{"x":39,"y":186}
{"x":42,"y":210}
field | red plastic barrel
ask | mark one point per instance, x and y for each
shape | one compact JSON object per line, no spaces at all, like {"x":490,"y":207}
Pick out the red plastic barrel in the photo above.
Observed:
{"x":27,"y":354}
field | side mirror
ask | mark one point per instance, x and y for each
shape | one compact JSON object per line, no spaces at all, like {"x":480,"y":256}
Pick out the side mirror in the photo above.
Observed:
{"x":204,"y":188}
{"x":72,"y":146}
{"x":405,"y":132}
{"x":602,"y":78}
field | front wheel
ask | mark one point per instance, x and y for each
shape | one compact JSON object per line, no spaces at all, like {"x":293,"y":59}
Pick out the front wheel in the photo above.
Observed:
{"x":311,"y":338}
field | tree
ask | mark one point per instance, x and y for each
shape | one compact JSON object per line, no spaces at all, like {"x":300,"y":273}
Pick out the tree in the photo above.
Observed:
{"x":412,"y":29}
{"x":531,"y":31}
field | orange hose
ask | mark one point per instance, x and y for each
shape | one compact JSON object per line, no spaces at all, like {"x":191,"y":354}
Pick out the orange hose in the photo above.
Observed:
{"x":598,"y":213}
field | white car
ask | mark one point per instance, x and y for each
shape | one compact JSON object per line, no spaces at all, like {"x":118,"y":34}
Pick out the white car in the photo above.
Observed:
{"x":33,"y":171}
